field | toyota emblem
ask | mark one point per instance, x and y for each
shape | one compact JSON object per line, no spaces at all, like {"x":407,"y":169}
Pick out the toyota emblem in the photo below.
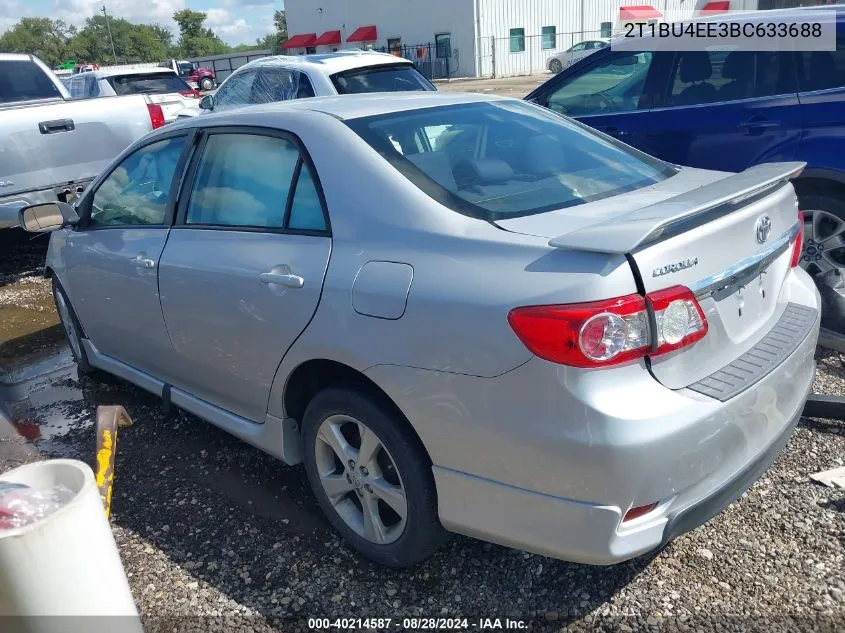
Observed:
{"x":764,"y":227}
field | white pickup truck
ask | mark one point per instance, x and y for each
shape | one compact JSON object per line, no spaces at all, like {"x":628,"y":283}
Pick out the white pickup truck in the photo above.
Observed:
{"x":53,"y":147}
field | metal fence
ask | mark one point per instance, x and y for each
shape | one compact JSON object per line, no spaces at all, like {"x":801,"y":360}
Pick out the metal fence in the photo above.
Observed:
{"x":224,"y":65}
{"x":431,"y":61}
{"x":525,"y":55}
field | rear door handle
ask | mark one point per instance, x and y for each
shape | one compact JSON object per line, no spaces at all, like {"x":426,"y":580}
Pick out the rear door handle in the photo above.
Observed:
{"x":288,"y":280}
{"x":59,"y":125}
{"x":141,"y":261}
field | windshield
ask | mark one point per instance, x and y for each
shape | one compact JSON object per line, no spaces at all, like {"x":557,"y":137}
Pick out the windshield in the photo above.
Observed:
{"x":393,"y":78}
{"x":148,"y":84}
{"x":23,"y":81}
{"x":503,"y":159}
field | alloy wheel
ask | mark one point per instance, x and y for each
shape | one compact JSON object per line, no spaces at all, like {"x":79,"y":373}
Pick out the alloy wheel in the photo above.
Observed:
{"x":360,"y":479}
{"x":555,"y":66}
{"x":823,"y":249}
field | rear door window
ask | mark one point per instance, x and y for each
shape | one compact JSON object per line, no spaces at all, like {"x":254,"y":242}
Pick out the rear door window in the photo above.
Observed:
{"x":822,"y":70}
{"x":24,"y":81}
{"x":393,"y":78}
{"x":148,"y":84}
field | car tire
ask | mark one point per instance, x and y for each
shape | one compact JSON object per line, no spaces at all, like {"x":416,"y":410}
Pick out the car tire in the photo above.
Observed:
{"x":396,"y":468}
{"x":555,"y":66}
{"x":823,"y":249}
{"x":72,"y":328}
{"x":206,"y":83}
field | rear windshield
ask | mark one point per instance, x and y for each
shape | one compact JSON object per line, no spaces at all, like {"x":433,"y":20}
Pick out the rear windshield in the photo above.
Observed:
{"x":393,"y":78}
{"x":23,"y":81}
{"x":148,"y":84}
{"x":503,"y":159}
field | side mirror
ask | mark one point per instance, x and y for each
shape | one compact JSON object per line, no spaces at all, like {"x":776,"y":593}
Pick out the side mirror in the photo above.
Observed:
{"x":47,"y":216}
{"x":207,"y":102}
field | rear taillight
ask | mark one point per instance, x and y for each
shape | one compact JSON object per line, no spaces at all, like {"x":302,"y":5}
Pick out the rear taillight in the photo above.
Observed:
{"x":605,"y":333}
{"x":156,"y":115}
{"x":799,"y":241}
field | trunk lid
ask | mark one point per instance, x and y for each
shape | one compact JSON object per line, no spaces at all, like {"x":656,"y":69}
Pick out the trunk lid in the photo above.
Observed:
{"x":727,"y":237}
{"x":66,"y":141}
{"x":171,"y":103}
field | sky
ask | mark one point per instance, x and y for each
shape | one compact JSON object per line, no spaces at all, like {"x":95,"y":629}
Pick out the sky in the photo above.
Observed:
{"x":235,"y":21}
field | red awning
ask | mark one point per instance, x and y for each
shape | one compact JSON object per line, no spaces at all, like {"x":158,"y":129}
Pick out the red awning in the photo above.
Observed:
{"x":328,"y":38}
{"x":364,"y":34}
{"x":716,"y":7}
{"x":642,"y":12}
{"x":301,"y":41}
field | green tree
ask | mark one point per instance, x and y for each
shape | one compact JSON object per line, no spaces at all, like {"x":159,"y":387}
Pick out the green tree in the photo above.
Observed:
{"x":274,"y":41}
{"x":43,"y":37}
{"x":194,"y":39}
{"x":132,"y":42}
{"x":190,"y":23}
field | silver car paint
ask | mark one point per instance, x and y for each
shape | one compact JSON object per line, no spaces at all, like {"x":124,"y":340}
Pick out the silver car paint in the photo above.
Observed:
{"x":574,"y":448}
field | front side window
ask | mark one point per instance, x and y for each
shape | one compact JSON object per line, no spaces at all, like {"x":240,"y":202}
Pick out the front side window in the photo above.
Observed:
{"x":393,"y":78}
{"x":235,"y":91}
{"x":245,"y":180}
{"x":701,"y":77}
{"x":549,"y":37}
{"x":617,"y":84}
{"x":148,"y":84}
{"x":137,"y":191}
{"x":497,"y":160}
{"x":517,"y":40}
{"x":274,"y":84}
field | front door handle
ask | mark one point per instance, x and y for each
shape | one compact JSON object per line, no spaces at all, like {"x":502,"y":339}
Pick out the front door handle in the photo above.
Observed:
{"x":288,"y":280}
{"x":142,"y":261}
{"x":758,"y":123}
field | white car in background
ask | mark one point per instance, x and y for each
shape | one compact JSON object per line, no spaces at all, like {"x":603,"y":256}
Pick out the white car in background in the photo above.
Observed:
{"x":568,"y":57}
{"x":286,"y":77}
{"x":159,"y":86}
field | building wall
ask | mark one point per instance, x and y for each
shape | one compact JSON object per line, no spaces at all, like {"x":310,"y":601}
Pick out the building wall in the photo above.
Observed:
{"x":414,"y":21}
{"x":574,"y":21}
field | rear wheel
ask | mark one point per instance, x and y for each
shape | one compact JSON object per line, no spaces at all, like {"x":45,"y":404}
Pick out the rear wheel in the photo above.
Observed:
{"x":71,"y":326}
{"x":371,"y":477}
{"x":555,"y":66}
{"x":206,"y":83}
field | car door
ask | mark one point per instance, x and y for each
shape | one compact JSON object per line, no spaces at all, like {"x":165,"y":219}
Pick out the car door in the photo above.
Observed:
{"x":727,"y":110}
{"x":610,"y":92}
{"x":243,"y":270}
{"x":112,"y":257}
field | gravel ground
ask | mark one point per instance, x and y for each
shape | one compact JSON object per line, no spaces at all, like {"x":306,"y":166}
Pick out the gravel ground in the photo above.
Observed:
{"x":215,"y":535}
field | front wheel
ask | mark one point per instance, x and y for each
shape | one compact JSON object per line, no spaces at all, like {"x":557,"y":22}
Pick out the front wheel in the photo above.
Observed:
{"x":555,"y":66}
{"x":206,"y":83}
{"x":371,"y":476}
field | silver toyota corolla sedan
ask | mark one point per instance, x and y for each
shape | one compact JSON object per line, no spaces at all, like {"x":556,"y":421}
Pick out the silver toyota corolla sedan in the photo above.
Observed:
{"x":459,"y":312}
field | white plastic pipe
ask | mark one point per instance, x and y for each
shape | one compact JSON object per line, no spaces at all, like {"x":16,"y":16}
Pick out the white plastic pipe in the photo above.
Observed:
{"x":66,"y":564}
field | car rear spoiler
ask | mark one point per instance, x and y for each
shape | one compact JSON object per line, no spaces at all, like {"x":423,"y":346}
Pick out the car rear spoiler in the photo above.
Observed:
{"x":662,"y":220}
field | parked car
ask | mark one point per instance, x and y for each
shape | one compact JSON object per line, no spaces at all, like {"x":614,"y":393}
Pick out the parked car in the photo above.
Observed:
{"x":285,"y":77}
{"x":557,"y":63}
{"x":158,"y":86}
{"x":728,"y":110}
{"x":459,"y":311}
{"x":53,"y":147}
{"x":197,"y":76}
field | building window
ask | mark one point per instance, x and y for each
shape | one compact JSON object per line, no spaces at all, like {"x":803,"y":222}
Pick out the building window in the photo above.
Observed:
{"x":443,"y":45}
{"x":310,"y":50}
{"x":606,"y":29}
{"x":394,"y":44}
{"x":517,"y":40}
{"x":549,"y":37}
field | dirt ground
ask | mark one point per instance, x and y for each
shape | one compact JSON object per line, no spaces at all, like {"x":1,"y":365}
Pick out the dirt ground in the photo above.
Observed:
{"x":516,"y":87}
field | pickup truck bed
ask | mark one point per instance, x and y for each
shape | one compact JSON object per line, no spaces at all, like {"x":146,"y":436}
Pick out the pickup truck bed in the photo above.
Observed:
{"x":52,"y":146}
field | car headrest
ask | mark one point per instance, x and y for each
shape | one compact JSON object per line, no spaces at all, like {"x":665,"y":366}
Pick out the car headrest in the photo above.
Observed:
{"x":739,"y":65}
{"x":695,"y":66}
{"x":481,"y":171}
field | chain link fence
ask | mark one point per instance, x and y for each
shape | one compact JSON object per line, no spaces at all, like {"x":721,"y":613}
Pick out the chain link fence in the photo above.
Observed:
{"x":522,"y":54}
{"x":431,"y":60}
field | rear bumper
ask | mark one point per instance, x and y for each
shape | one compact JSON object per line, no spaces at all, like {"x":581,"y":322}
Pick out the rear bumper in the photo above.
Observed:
{"x":550,"y":460}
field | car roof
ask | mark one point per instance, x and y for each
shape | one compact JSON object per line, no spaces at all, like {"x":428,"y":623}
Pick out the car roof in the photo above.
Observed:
{"x":345,"y":107}
{"x":328,"y":63}
{"x":111,"y":72}
{"x":15,"y":57}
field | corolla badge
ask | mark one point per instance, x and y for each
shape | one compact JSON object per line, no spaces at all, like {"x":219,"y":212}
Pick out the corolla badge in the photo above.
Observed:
{"x":675,"y":267}
{"x":6,"y":183}
{"x":763,"y":228}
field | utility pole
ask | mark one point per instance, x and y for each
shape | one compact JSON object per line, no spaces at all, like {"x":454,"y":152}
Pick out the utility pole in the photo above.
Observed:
{"x":111,"y":39}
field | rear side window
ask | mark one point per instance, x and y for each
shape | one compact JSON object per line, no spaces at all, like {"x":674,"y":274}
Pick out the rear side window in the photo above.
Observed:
{"x":393,"y":78}
{"x":23,"y":81}
{"x":137,"y":191}
{"x":148,"y":84}
{"x":503,"y":159}
{"x":713,"y":76}
{"x":822,"y":70}
{"x":245,"y":180}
